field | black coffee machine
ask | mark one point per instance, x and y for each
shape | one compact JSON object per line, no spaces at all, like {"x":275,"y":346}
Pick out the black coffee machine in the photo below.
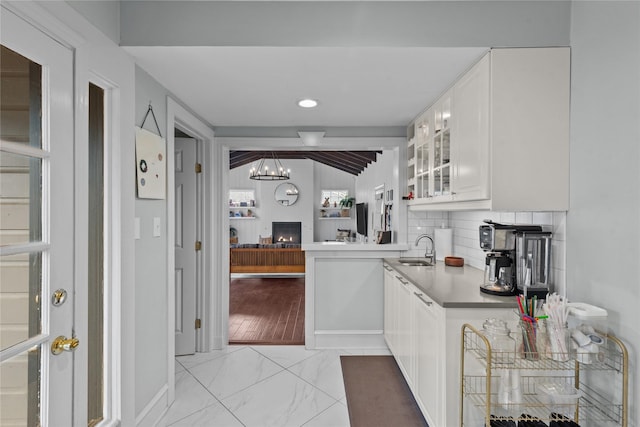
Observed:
{"x":499,"y":242}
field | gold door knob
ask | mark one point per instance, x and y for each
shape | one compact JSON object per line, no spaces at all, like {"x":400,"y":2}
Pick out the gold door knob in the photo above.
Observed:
{"x":62,"y":343}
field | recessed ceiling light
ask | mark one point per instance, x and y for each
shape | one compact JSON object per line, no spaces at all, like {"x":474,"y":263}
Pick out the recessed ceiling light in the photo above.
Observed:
{"x":307,"y":103}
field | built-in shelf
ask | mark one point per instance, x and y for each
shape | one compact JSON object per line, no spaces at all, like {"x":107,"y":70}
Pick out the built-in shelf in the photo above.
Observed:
{"x":243,"y":203}
{"x":332,"y":211}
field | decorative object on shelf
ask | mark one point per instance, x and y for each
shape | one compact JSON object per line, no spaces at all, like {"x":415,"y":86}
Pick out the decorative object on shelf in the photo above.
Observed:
{"x":343,"y":235}
{"x":286,"y":194}
{"x":326,"y":203}
{"x":262,"y":172}
{"x":242,"y":198}
{"x":347,"y":202}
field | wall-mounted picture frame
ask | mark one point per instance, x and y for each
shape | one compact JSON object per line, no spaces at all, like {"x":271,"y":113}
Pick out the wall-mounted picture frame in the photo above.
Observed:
{"x":151,"y":165}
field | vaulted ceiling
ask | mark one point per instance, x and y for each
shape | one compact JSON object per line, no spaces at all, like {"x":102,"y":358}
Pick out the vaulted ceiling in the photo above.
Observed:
{"x":353,"y":162}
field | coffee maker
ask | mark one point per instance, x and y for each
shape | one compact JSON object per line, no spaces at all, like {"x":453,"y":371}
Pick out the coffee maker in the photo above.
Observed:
{"x":533,"y":260}
{"x":511,"y":251}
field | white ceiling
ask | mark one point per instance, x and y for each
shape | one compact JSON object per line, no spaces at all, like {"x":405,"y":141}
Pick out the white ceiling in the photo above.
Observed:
{"x":260,"y":86}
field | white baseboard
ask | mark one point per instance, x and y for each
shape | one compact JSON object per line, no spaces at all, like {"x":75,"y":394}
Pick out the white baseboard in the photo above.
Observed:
{"x":150,"y":415}
{"x":366,"y":339}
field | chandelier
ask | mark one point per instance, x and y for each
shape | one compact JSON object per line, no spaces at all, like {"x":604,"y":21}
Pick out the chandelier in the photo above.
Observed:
{"x":263,"y":173}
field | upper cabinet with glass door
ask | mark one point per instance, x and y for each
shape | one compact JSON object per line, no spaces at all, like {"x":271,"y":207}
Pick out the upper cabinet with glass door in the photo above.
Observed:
{"x":442,"y":147}
{"x":411,"y":160}
{"x":499,"y":138}
{"x":432,"y":164}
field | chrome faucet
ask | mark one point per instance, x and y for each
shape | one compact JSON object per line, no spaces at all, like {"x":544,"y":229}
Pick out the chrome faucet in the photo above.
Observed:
{"x":428,"y":254}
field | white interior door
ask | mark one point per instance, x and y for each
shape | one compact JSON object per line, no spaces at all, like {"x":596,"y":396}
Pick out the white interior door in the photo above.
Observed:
{"x":36,"y":226}
{"x":185,"y":241}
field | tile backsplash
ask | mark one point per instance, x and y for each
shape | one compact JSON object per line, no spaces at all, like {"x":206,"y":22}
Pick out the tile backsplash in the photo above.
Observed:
{"x":465,"y":225}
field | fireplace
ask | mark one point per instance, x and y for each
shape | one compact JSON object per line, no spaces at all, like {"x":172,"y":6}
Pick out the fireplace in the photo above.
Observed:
{"x":286,"y":232}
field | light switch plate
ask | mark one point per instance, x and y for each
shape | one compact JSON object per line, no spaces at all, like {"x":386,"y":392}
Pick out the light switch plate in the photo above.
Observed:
{"x":156,"y":227}
{"x":136,"y":228}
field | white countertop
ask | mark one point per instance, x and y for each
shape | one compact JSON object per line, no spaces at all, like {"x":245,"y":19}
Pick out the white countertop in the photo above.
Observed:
{"x":451,"y":287}
{"x":353,"y":247}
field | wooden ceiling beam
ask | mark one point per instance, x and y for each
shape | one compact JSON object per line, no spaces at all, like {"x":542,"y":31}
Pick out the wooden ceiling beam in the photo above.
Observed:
{"x":344,"y":159}
{"x":353,"y":162}
{"x":341,"y":166}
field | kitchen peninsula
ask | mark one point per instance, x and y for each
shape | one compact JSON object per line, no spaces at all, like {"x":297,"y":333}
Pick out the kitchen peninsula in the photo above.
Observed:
{"x":344,"y":293}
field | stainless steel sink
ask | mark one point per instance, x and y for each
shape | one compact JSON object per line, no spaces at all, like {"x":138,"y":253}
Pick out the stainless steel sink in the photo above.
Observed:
{"x":415,"y":262}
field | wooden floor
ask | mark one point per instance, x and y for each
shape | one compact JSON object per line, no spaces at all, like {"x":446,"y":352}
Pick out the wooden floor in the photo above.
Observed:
{"x":266,"y":311}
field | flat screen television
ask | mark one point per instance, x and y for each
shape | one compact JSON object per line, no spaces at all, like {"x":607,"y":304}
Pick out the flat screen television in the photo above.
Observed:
{"x":361,"y":218}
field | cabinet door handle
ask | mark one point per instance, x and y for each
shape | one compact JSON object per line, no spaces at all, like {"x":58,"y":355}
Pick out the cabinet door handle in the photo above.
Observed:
{"x":428,"y":303}
{"x":386,"y":267}
{"x":404,"y":282}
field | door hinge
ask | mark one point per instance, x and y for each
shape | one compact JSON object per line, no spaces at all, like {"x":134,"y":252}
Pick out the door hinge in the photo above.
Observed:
{"x":198,"y":324}
{"x":198,"y":245}
{"x":198,"y":167}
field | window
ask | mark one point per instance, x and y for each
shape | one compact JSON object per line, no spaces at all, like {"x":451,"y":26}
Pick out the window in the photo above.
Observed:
{"x":333,"y":197}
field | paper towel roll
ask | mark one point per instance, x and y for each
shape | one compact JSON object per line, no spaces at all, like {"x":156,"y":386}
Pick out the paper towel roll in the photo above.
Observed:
{"x":444,"y":242}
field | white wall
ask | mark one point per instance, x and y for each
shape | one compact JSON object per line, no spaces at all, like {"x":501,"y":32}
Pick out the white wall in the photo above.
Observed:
{"x":385,"y":171}
{"x":104,"y":15}
{"x":151,"y":281}
{"x":603,"y":222}
{"x":372,"y":23}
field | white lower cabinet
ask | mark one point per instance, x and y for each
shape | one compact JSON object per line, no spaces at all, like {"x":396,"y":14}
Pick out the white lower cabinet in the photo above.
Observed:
{"x":390,"y":322}
{"x":405,"y":350}
{"x":398,"y":321}
{"x":424,"y":338}
{"x":429,"y":353}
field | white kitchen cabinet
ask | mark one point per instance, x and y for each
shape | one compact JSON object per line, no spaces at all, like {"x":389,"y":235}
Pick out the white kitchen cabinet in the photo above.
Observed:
{"x":398,"y":321}
{"x":429,"y":354}
{"x":470,"y":152}
{"x":433,"y":152}
{"x":424,"y":338}
{"x":390,"y":315}
{"x":509,"y":135}
{"x":405,"y":351}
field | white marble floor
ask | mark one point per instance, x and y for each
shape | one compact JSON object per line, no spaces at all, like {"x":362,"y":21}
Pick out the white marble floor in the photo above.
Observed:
{"x":259,"y":386}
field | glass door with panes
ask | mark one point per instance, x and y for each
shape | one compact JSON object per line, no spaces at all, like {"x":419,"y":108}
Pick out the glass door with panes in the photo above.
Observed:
{"x":36,"y":227}
{"x":423,"y":157}
{"x":442,"y":147}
